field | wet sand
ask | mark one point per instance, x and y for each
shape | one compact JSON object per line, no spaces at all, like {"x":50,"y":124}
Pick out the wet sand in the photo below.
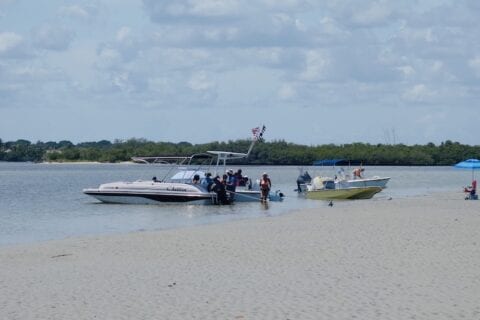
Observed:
{"x":411,"y":258}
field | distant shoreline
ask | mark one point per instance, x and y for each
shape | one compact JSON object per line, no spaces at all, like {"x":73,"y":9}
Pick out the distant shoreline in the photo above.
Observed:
{"x":239,"y":164}
{"x":264,"y":153}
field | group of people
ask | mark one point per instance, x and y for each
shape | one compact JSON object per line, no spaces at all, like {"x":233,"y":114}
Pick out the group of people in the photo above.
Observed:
{"x":225,"y":186}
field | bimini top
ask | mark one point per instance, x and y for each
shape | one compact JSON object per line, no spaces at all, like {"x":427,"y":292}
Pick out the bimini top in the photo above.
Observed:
{"x":334,"y":162}
{"x":328,"y":162}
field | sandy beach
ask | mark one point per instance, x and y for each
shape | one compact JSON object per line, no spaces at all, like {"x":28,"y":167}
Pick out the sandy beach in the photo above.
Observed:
{"x":410,"y":258}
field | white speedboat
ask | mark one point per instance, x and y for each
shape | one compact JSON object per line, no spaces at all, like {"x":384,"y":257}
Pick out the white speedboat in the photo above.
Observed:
{"x":344,"y":180}
{"x":181,"y":186}
{"x":323,"y":188}
{"x":178,"y":189}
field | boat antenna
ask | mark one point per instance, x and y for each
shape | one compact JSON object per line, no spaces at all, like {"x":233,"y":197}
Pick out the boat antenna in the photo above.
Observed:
{"x":257,"y":136}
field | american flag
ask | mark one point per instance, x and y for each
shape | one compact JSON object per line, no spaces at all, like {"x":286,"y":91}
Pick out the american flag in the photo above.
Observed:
{"x":258,"y":132}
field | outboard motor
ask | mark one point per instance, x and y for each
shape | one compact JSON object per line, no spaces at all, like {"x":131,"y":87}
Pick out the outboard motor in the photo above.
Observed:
{"x":302,"y":179}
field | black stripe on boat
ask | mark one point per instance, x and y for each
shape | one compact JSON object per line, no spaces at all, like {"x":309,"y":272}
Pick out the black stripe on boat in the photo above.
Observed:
{"x":155,"y":197}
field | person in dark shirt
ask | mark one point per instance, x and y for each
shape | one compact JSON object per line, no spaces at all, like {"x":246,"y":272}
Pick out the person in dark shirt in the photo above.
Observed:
{"x":231,"y":184}
{"x":208,"y":181}
{"x":219,"y":188}
{"x":239,"y":178}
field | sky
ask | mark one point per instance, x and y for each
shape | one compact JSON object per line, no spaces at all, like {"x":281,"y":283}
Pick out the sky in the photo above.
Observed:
{"x":313,"y":71}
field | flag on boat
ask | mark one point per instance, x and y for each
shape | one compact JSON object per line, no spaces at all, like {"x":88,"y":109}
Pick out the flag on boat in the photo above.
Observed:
{"x":258,"y":132}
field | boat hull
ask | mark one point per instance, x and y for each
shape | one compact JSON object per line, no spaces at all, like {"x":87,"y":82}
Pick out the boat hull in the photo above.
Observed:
{"x":256,"y":195}
{"x":146,"y":192}
{"x":343,"y":194}
{"x":125,"y":197}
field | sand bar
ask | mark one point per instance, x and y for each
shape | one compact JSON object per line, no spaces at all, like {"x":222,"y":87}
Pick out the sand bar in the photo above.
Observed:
{"x":412,"y":258}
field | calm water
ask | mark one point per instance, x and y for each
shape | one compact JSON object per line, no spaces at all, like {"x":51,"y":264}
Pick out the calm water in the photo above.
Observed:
{"x":45,"y":201}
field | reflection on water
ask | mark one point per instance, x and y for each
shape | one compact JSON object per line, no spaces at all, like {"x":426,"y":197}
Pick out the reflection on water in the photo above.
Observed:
{"x":45,"y":201}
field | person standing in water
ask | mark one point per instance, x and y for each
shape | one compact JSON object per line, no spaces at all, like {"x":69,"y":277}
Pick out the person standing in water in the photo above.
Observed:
{"x":265,"y":186}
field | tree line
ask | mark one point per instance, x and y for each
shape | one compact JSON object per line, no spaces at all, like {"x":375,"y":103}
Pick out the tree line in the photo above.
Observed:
{"x":278,"y":152}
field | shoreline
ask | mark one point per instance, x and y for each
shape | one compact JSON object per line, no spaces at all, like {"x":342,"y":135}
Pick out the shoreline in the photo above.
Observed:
{"x":405,"y":258}
{"x":454,"y":195}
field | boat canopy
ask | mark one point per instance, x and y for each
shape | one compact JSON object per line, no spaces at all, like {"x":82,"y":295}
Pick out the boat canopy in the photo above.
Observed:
{"x":335,"y":162}
{"x":328,"y":162}
{"x":174,"y":160}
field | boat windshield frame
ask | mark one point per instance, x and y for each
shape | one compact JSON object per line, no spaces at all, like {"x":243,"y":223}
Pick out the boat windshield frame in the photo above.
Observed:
{"x":219,"y":158}
{"x":185,"y":164}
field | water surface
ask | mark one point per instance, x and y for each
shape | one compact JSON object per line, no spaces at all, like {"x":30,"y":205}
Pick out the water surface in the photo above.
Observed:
{"x":45,"y":201}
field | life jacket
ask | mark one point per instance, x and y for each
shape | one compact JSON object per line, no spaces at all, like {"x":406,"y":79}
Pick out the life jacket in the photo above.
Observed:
{"x":265,"y":183}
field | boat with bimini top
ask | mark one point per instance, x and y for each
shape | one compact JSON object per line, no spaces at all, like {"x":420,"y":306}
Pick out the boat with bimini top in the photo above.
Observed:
{"x":322,"y":188}
{"x":344,"y":180}
{"x":192,"y":183}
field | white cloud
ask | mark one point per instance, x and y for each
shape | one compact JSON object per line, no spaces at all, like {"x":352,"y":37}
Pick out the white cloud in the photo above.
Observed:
{"x":122,"y":81}
{"x":474,"y":63}
{"x":50,"y":37}
{"x":74,"y":11}
{"x":220,"y":34}
{"x":377,"y":12}
{"x":108,"y":58}
{"x":419,"y":93}
{"x":316,"y":63}
{"x":287,"y":4}
{"x":124,"y":34}
{"x":200,"y":82}
{"x":426,"y":35}
{"x":84,"y":11}
{"x":179,"y":9}
{"x":214,"y":7}
{"x":9,"y":41}
{"x":407,"y":70}
{"x":287,"y":92}
{"x":332,"y":27}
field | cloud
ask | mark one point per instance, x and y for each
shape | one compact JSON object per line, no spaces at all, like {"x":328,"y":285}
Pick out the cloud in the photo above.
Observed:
{"x":474,"y":63}
{"x":9,"y":41}
{"x":108,"y":58}
{"x":13,"y":46}
{"x":52,"y":37}
{"x":287,"y":92}
{"x":124,"y":35}
{"x":225,"y":23}
{"x":214,"y":7}
{"x":200,"y":82}
{"x":373,"y":14}
{"x":85,"y":12}
{"x":178,"y":11}
{"x":419,"y":93}
{"x":316,"y":63}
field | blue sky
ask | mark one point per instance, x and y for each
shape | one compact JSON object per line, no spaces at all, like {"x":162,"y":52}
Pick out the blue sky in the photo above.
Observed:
{"x":314,"y":72}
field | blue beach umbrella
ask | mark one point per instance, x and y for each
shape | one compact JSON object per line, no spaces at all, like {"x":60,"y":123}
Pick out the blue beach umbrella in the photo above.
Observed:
{"x":472,"y":164}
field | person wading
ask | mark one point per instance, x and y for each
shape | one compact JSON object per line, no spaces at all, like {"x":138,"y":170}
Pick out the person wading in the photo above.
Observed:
{"x":265,"y":186}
